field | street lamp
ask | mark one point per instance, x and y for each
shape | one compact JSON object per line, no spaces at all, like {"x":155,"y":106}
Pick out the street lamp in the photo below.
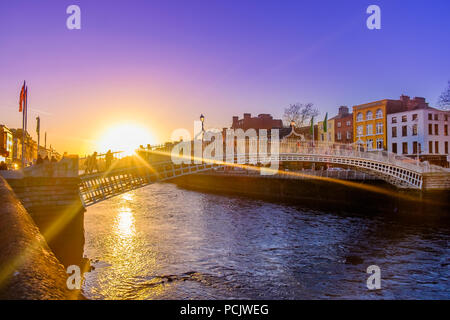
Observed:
{"x":292,"y":123}
{"x":202,"y":119}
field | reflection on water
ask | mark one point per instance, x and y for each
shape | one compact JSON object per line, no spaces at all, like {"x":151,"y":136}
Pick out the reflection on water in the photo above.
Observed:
{"x":162,"y":242}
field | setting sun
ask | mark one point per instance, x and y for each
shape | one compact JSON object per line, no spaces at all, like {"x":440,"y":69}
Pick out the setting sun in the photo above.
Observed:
{"x":126,"y":138}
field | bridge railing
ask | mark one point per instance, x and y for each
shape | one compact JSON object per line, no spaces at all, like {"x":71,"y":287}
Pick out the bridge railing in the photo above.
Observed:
{"x":352,"y":151}
{"x":162,"y":154}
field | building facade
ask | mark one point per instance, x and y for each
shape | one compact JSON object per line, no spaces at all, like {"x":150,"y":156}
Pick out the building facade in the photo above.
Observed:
{"x":343,"y":126}
{"x":6,"y":145}
{"x":262,"y":121}
{"x":421,"y":133}
{"x":30,"y":147}
{"x":369,"y":123}
{"x":327,"y":136}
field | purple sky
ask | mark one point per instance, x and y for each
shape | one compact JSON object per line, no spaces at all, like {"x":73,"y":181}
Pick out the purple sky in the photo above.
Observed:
{"x":162,"y":63}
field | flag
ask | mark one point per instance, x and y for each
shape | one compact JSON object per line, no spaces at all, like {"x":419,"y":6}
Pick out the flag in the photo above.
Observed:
{"x":25,"y":98}
{"x":22,"y":96}
{"x":312,"y":125}
{"x":325,"y":121}
{"x":38,"y":125}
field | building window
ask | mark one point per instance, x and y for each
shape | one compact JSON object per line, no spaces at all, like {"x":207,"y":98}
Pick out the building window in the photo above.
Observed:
{"x":369,"y":130}
{"x":404,"y":131}
{"x":359,"y":131}
{"x":414,"y":130}
{"x":405,"y":148}
{"x":446,"y":147}
{"x":380,"y":144}
{"x":436,"y":147}
{"x":369,"y":115}
{"x":394,"y":119}
{"x":394,"y":148}
{"x":430,"y":116}
{"x":359,"y":117}
{"x":404,"y":118}
{"x":445,"y":130}
{"x":379,"y":114}
{"x":349,"y":123}
{"x":436,"y":117}
{"x":445,"y":117}
{"x":415,"y":147}
{"x":394,"y":132}
{"x":430,"y":129}
{"x":414,"y":116}
{"x":436,"y":129}
{"x":322,"y":137}
{"x":380,"y":128}
{"x":349,"y":135}
{"x":339,"y":124}
{"x":430,"y":146}
{"x":339,"y":136}
{"x":370,"y":144}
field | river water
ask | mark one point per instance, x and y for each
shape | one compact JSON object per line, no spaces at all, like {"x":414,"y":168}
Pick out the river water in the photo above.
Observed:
{"x":164,"y":242}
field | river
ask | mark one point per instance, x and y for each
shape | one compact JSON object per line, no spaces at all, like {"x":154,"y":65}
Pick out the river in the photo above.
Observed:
{"x":165,"y":242}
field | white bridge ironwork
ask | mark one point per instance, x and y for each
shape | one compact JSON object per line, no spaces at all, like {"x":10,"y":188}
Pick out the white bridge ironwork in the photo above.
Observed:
{"x":400,"y":171}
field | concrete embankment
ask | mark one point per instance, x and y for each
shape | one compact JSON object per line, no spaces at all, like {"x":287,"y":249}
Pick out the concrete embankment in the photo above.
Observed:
{"x":28,"y":268}
{"x":336,"y":195}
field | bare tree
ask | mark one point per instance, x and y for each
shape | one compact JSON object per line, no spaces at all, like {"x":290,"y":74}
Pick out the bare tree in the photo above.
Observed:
{"x":300,"y":113}
{"x":444,"y":98}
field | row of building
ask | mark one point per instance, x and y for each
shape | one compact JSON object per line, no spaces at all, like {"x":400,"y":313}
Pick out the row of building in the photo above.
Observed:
{"x":406,"y":126}
{"x":11,"y":141}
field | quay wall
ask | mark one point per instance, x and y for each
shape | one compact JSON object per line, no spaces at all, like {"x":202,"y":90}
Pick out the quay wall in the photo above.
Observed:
{"x":362,"y":197}
{"x":28,"y":267}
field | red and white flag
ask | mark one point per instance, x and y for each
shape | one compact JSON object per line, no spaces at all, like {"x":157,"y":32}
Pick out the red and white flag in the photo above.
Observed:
{"x":22,"y":98}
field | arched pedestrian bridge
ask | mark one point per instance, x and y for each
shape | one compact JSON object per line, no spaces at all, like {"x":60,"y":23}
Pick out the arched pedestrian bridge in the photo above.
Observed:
{"x":397,"y":170}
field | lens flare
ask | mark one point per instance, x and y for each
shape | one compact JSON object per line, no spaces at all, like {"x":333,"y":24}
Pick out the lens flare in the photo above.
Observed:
{"x":125,"y":137}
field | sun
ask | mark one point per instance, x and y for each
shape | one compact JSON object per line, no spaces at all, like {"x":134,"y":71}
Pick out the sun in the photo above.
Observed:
{"x":125,"y":137}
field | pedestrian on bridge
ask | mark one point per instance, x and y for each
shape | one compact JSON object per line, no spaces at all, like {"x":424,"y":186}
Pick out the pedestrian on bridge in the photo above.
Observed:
{"x":108,"y":159}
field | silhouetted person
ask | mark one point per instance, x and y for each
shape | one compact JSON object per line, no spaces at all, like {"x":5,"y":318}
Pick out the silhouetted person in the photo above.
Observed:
{"x":87,"y":165}
{"x":39,"y":160}
{"x":94,"y":164}
{"x":46,"y":159}
{"x":54,"y":159}
{"x":108,"y":159}
{"x":3,"y":166}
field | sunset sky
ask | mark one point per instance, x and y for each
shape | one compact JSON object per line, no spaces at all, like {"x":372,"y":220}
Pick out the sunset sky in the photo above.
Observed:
{"x":160,"y":64}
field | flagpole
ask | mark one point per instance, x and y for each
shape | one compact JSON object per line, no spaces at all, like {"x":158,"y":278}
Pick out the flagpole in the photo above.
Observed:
{"x":38,"y":131}
{"x":23,"y":128}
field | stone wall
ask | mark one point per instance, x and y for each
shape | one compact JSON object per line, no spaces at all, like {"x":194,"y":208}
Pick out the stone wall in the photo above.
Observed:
{"x":28,"y":268}
{"x":436,"y":181}
{"x":56,"y":208}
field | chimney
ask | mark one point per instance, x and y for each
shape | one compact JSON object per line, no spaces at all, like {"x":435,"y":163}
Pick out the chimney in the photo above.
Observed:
{"x":235,"y":121}
{"x":343,"y":110}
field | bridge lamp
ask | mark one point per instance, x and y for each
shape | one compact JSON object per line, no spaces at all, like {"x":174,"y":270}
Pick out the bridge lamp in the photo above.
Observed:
{"x":202,"y":119}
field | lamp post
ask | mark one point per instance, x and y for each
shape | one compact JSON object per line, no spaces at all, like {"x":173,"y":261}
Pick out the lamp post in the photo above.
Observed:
{"x":202,"y":119}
